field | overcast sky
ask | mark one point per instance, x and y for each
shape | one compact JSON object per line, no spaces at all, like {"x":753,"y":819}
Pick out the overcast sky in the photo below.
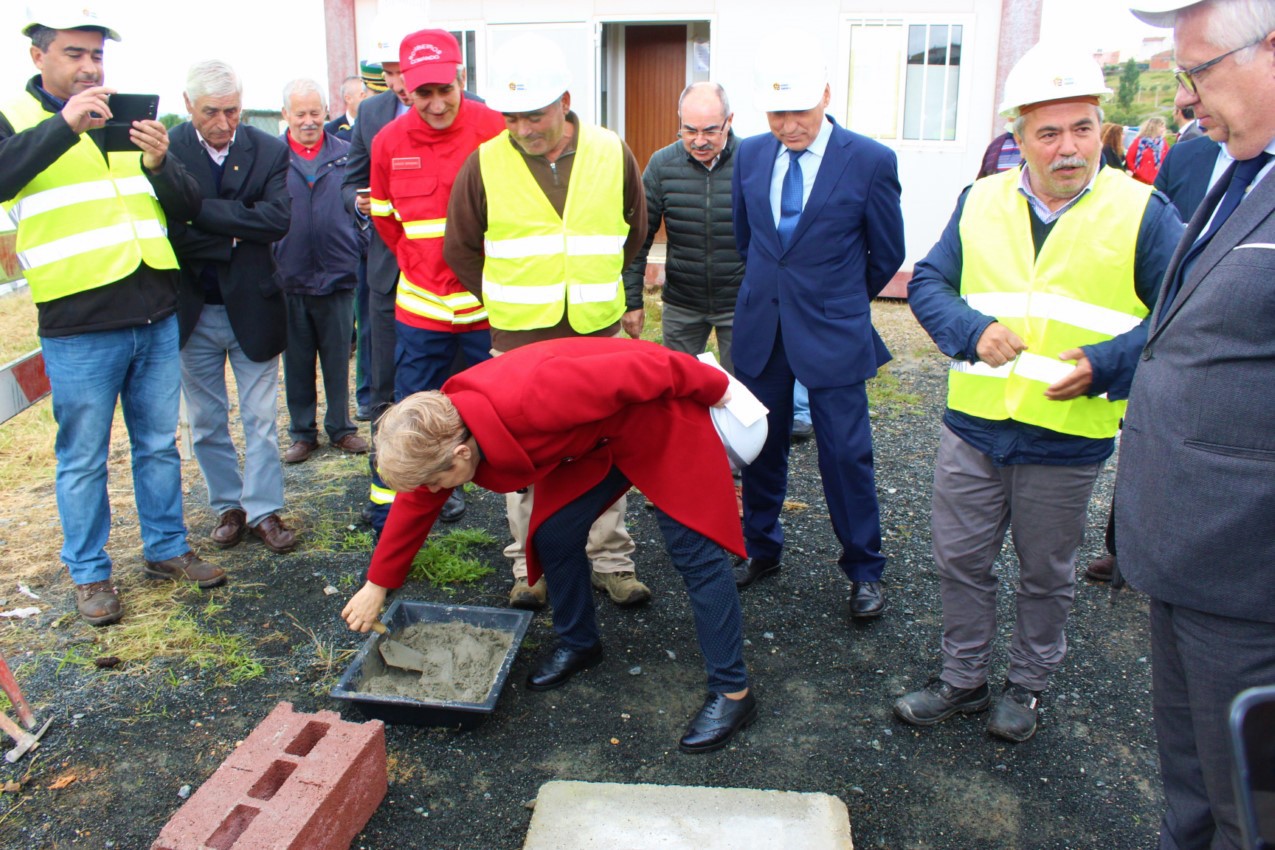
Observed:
{"x":270,"y":42}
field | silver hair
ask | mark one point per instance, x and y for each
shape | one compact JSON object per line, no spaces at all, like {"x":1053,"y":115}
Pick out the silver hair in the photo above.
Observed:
{"x":715,"y":88}
{"x":303,"y":86}
{"x":1236,"y":23}
{"x":1020,"y":123}
{"x":352,"y":81}
{"x":212,"y":78}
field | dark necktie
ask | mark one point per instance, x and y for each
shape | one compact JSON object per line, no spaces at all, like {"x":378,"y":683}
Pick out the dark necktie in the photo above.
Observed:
{"x":790,"y":199}
{"x":1241,"y":174}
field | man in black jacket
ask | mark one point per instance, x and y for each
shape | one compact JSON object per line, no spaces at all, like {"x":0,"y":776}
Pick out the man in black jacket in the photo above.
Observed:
{"x":688,"y":185}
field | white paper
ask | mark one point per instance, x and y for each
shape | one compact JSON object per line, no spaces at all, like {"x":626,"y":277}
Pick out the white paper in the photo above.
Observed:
{"x":743,"y":405}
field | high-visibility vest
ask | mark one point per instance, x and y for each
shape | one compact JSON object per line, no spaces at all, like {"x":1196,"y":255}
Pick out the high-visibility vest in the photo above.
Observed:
{"x":87,"y":220}
{"x":1078,"y":291}
{"x":539,"y":264}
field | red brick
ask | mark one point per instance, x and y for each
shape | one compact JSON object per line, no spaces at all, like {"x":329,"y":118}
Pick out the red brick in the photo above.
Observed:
{"x":298,"y":782}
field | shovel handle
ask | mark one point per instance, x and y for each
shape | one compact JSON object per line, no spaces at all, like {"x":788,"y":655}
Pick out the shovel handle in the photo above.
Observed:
{"x":380,"y":628}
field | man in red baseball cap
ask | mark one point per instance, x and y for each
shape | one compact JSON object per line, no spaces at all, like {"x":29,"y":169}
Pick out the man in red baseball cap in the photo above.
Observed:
{"x":414,"y":164}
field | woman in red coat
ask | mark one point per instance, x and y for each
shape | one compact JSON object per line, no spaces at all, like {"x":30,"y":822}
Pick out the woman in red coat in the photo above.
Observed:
{"x":582,"y":419}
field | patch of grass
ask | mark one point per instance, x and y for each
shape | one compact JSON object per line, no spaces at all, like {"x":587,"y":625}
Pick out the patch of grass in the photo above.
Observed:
{"x":333,"y":534}
{"x":329,"y":659}
{"x":444,"y":560}
{"x":17,"y":326}
{"x":886,"y":393}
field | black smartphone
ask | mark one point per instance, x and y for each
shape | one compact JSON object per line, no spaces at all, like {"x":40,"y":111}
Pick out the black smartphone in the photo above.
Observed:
{"x":1253,"y":745}
{"x":125,"y":109}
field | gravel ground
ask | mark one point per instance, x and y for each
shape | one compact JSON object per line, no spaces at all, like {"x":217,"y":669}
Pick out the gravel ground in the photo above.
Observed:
{"x":126,"y":743}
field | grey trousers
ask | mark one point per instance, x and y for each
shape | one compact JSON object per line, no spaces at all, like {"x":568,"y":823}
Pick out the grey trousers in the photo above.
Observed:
{"x":1199,"y":663}
{"x":975,"y":503}
{"x":259,"y":490}
{"x":319,"y":326}
{"x":687,"y":331}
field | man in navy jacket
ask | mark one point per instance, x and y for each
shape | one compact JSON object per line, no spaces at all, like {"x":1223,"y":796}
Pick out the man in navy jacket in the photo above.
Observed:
{"x":819,"y":225}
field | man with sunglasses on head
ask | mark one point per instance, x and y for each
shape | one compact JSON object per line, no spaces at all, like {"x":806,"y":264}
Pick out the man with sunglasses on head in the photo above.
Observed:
{"x":1195,"y":492}
{"x":688,"y":186}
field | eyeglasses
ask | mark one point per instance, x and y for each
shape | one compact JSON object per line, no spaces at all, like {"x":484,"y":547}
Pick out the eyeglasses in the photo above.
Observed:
{"x":690,"y":133}
{"x":1186,"y":78}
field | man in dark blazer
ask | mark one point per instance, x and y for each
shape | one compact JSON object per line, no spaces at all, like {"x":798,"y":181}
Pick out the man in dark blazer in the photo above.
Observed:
{"x":1195,"y":491}
{"x":819,"y":225}
{"x":230,"y":305}
{"x":1187,"y":173}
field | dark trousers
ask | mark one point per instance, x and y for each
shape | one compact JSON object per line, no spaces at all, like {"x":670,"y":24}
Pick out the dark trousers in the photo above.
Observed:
{"x":363,"y":343}
{"x":1200,"y":662}
{"x":319,"y":325}
{"x":840,"y":416}
{"x":424,"y":359}
{"x":705,"y":567}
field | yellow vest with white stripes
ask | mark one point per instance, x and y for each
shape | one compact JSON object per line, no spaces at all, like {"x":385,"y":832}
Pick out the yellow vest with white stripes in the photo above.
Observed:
{"x":539,"y":264}
{"x":88,"y":219}
{"x":1078,"y":291}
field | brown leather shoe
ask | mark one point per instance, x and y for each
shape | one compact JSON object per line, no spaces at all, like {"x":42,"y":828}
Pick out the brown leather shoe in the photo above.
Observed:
{"x":1101,"y":569}
{"x":98,"y":604}
{"x":187,"y":567}
{"x":352,"y":444}
{"x":277,"y":536}
{"x":230,"y":528}
{"x":299,"y":451}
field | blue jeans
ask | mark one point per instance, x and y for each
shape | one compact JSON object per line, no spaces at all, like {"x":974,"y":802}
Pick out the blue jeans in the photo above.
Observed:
{"x":88,"y":374}
{"x":801,"y":402}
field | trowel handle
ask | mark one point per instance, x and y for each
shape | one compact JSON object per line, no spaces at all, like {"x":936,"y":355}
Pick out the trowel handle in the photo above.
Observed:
{"x":380,"y":628}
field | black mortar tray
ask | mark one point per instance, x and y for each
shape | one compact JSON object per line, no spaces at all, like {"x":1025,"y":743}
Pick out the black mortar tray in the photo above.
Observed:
{"x":397,"y":709}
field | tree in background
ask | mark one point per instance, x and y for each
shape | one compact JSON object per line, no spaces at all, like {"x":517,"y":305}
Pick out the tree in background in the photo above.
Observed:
{"x":1129,"y":85}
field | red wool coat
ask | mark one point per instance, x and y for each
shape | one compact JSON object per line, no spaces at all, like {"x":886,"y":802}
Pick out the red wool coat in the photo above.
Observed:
{"x":559,"y":414}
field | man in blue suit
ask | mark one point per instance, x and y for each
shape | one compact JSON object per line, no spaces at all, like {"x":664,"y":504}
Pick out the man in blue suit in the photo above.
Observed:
{"x":818,"y":222}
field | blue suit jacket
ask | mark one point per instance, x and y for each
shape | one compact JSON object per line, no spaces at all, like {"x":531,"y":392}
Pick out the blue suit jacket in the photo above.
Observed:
{"x":847,"y":246}
{"x":1184,"y":174}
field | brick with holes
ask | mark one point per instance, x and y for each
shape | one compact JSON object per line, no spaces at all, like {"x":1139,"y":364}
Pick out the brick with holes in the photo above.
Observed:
{"x":298,"y":782}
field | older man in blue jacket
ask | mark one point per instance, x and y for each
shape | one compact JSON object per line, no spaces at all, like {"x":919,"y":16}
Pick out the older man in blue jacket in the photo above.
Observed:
{"x":318,"y":262}
{"x":819,"y":225}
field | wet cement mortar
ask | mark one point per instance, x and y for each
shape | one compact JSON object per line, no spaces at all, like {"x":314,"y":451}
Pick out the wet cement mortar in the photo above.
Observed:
{"x":458,"y":663}
{"x":135,"y":738}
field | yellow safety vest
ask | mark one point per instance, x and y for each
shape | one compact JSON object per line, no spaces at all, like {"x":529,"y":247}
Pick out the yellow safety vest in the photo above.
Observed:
{"x":1078,"y":291}
{"x":87,"y":220}
{"x":537,"y":263}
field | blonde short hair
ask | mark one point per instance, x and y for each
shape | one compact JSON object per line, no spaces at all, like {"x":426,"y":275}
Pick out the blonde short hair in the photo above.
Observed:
{"x":416,"y":440}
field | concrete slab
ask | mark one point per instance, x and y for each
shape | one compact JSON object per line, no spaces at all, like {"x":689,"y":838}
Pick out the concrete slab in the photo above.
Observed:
{"x":580,"y":815}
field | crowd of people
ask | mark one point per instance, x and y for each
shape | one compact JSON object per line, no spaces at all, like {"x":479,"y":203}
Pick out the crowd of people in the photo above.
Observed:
{"x":494,"y":254}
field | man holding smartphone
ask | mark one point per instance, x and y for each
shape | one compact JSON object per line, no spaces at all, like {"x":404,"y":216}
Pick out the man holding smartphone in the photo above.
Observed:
{"x":91,"y":236}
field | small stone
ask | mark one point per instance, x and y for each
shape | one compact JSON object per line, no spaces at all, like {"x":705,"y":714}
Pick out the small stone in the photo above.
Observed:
{"x":672,"y":656}
{"x":79,"y":715}
{"x":635,"y":670}
{"x":856,"y":790}
{"x":768,"y":635}
{"x":1001,"y":767}
{"x":615,"y":741}
{"x":183,"y":791}
{"x":330,"y":591}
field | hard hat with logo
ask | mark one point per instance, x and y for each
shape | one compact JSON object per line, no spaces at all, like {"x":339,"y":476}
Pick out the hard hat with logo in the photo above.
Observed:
{"x":742,"y":442}
{"x":1050,"y":72}
{"x":528,"y":72}
{"x":389,"y":29}
{"x":64,"y":15}
{"x":1160,"y":13}
{"x":790,"y":74}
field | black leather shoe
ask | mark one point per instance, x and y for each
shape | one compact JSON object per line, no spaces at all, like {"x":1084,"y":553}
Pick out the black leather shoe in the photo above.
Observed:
{"x":717,"y":722}
{"x":454,"y":507}
{"x":749,"y":570}
{"x":802,"y":430}
{"x":866,"y":601}
{"x":561,"y":664}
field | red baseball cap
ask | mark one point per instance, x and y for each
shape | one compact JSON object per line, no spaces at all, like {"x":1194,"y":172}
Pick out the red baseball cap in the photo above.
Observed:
{"x":428,"y":57}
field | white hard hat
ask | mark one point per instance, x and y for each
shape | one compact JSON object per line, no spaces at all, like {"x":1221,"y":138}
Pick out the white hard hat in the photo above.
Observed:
{"x":1052,"y":72}
{"x":1160,"y":13}
{"x":528,"y":72}
{"x":743,"y":442}
{"x":790,"y":74}
{"x":64,"y":15}
{"x":390,"y":27}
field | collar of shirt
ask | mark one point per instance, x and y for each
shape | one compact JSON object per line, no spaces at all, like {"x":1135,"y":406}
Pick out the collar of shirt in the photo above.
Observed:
{"x":52,"y":98}
{"x":303,"y":151}
{"x":1043,"y":212}
{"x":400,"y":108}
{"x":217,"y":156}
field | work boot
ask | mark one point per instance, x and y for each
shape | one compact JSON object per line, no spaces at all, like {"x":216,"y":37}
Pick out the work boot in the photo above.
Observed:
{"x":938,"y":701}
{"x":98,"y":604}
{"x":1015,"y":716}
{"x":623,"y":588}
{"x":187,"y":567}
{"x":527,"y":597}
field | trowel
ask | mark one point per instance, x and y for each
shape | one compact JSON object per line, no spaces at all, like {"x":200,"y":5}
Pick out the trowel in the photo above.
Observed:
{"x":398,"y":654}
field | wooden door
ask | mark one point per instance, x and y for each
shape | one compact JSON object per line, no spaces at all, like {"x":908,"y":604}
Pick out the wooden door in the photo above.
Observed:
{"x":654,"y":76}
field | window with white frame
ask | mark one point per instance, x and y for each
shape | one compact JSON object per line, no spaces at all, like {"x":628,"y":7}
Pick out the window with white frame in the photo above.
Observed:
{"x":904,"y":79}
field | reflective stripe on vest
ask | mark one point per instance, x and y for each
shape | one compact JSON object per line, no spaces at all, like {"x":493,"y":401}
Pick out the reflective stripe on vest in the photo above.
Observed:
{"x":380,"y":495}
{"x":538,"y":263}
{"x":108,"y":194}
{"x":1078,"y":291}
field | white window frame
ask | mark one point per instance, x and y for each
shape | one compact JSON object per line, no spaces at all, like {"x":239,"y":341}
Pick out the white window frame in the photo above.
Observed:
{"x":903,"y":22}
